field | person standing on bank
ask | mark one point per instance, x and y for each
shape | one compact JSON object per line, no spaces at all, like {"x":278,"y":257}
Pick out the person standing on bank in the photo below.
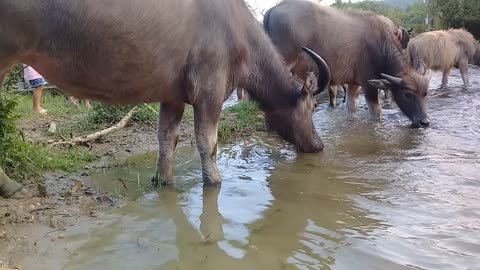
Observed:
{"x":38,"y":84}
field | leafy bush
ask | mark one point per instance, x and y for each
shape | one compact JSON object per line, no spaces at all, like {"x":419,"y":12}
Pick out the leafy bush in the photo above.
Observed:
{"x":12,"y":77}
{"x":22,"y":160}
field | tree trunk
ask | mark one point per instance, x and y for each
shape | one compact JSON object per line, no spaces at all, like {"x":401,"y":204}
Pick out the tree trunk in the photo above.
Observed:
{"x":10,"y":188}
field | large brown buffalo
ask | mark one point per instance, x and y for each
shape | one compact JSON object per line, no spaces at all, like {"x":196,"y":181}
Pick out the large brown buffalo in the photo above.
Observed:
{"x":168,"y":51}
{"x":400,"y":34}
{"x":359,"y":49}
{"x":444,"y":49}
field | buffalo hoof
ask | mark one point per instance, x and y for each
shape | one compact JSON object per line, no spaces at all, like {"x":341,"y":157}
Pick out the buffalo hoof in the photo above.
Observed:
{"x":157,"y":181}
{"x":23,"y":193}
{"x":13,"y":190}
{"x":168,"y":182}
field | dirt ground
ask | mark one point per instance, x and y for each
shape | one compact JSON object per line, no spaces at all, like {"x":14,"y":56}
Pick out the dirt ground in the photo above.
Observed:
{"x":66,"y":198}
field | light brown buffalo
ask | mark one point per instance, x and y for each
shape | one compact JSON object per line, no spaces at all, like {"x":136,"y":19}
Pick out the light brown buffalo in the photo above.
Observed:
{"x":358,"y":47}
{"x":444,"y":49}
{"x":168,"y":51}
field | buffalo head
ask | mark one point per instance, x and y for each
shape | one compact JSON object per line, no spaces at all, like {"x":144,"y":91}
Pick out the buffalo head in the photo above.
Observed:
{"x":476,"y":58}
{"x":294,"y":123}
{"x":405,"y":37}
{"x":409,"y":92}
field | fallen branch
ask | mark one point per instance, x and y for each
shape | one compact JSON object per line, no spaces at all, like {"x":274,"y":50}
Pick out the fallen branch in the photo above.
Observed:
{"x":95,"y":136}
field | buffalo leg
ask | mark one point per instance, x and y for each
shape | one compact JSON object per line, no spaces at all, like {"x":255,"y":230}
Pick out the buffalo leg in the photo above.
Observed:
{"x":446,"y":73}
{"x":211,"y":221}
{"x":206,"y":116}
{"x":10,"y":188}
{"x":168,"y":136}
{"x":373,"y":102}
{"x":332,"y":91}
{"x":353,"y":93}
{"x":388,"y":94}
{"x":464,"y":72}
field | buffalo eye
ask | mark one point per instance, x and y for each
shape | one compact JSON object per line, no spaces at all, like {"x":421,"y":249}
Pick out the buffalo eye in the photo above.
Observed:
{"x":408,"y":95}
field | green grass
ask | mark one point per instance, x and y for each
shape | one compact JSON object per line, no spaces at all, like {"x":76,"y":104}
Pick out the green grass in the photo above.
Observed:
{"x":240,"y":120}
{"x":56,"y":105}
{"x":22,"y":160}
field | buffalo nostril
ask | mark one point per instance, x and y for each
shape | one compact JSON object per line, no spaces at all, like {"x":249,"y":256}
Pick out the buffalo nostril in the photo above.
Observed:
{"x":322,"y":146}
{"x":425,"y":122}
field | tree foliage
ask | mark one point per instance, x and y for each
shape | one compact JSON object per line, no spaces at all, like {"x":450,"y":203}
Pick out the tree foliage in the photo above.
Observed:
{"x":443,"y":14}
{"x":456,"y":14}
{"x":413,"y":16}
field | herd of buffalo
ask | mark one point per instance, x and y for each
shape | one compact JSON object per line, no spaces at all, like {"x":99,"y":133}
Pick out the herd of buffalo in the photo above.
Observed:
{"x":197,"y":52}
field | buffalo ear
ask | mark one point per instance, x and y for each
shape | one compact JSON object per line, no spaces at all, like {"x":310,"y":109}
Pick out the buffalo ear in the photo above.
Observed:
{"x":380,"y":84}
{"x":421,"y":68}
{"x":310,"y":86}
{"x":428,"y":74}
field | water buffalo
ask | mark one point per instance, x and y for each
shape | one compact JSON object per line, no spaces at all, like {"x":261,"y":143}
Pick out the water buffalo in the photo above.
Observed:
{"x":359,"y":49}
{"x":444,"y":49}
{"x":168,"y":51}
{"x":401,"y":34}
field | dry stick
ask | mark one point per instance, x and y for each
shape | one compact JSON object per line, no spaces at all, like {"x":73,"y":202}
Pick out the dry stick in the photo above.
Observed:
{"x":150,"y":108}
{"x":94,"y":136}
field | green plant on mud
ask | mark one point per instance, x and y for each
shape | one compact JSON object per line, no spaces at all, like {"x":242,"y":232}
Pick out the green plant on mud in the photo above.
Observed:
{"x":22,"y":160}
{"x":109,"y":115}
{"x":240,"y":120}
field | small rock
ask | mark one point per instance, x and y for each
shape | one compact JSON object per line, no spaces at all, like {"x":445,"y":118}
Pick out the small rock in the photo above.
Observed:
{"x":42,"y":189}
{"x":53,"y":128}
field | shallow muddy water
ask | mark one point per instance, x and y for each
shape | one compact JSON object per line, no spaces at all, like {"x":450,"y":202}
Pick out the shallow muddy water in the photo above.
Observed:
{"x":381,"y":196}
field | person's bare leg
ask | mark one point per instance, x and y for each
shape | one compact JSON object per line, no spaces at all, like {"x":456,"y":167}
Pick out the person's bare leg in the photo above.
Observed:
{"x":240,"y":93}
{"x":74,"y":100}
{"x":87,"y":104}
{"x":37,"y":99}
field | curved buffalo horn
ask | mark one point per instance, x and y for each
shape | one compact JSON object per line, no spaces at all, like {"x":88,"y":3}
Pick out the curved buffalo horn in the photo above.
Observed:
{"x":323,"y":70}
{"x":392,"y":79}
{"x":410,"y":31}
